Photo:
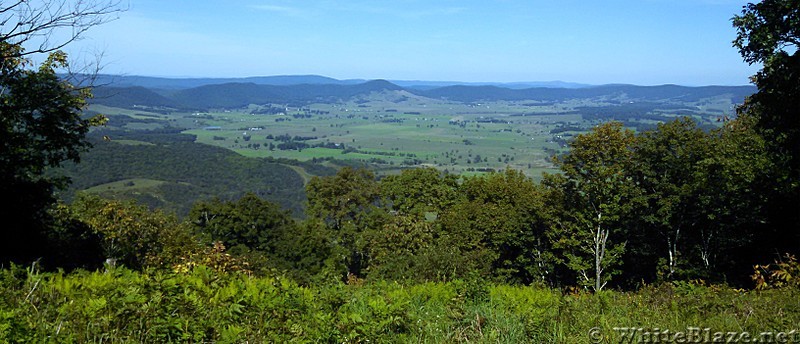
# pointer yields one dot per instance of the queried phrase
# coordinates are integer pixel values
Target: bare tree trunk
(705, 247)
(672, 252)
(600, 240)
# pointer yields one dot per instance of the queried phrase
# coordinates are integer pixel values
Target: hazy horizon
(409, 81)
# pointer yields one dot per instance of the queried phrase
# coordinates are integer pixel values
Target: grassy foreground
(203, 306)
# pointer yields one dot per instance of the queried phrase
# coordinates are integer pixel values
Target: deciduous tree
(672, 163)
(249, 226)
(348, 205)
(419, 190)
(599, 195)
(41, 123)
(505, 210)
(768, 32)
(133, 235)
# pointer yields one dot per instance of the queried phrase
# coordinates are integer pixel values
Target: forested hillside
(237, 95)
(181, 173)
(130, 96)
(242, 94)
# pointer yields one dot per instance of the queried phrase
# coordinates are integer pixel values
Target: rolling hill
(238, 94)
(172, 175)
(647, 93)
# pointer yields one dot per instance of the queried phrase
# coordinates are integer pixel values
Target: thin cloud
(283, 10)
(404, 10)
(433, 12)
(415, 12)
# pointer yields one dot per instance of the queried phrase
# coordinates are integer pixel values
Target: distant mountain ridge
(673, 92)
(239, 95)
(164, 83)
(185, 83)
(300, 90)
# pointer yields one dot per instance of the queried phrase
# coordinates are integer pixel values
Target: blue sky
(644, 42)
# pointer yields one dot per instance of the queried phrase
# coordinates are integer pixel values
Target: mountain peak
(380, 85)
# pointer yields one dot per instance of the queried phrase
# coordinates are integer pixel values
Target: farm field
(389, 140)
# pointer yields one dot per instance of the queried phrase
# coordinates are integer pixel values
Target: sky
(643, 42)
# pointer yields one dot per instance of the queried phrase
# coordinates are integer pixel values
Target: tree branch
(42, 22)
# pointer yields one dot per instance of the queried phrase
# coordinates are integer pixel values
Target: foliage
(672, 160)
(397, 250)
(767, 33)
(344, 199)
(71, 243)
(420, 190)
(309, 256)
(599, 196)
(252, 228)
(204, 305)
(680, 198)
(214, 258)
(41, 122)
(347, 204)
(730, 207)
(40, 127)
(500, 222)
(248, 223)
(767, 28)
(133, 235)
(785, 272)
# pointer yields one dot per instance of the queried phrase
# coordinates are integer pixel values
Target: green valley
(391, 128)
